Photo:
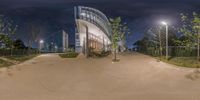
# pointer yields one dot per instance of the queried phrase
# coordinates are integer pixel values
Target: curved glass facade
(93, 30)
(95, 17)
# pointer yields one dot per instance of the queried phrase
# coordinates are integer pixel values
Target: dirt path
(135, 77)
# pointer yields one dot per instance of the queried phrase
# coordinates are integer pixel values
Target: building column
(87, 42)
(95, 42)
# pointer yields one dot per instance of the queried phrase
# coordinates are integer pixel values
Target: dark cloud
(58, 14)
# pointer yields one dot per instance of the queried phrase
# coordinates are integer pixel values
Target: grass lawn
(69, 55)
(190, 62)
(4, 63)
(13, 59)
(21, 58)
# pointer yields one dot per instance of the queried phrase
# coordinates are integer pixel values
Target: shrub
(99, 54)
(69, 55)
(5, 63)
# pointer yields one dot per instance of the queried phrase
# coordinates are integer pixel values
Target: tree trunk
(11, 49)
(115, 55)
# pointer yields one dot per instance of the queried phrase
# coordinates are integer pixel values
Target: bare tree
(34, 30)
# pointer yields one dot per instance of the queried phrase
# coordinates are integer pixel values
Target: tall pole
(167, 42)
(41, 44)
(198, 47)
(160, 42)
(87, 42)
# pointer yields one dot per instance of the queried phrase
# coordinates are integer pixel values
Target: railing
(17, 52)
(174, 51)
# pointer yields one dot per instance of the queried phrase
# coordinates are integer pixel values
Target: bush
(190, 62)
(69, 55)
(4, 63)
(18, 52)
(99, 54)
(21, 58)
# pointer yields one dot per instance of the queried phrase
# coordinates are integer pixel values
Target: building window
(77, 36)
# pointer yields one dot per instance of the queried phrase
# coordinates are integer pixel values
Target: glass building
(93, 32)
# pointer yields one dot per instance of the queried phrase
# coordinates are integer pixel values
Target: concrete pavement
(135, 77)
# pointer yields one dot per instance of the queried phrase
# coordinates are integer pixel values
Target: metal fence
(174, 51)
(17, 52)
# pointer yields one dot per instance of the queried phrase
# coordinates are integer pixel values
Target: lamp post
(40, 45)
(56, 48)
(165, 23)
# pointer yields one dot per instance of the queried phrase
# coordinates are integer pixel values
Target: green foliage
(157, 34)
(142, 45)
(19, 44)
(119, 30)
(99, 54)
(154, 41)
(7, 30)
(191, 32)
(6, 40)
(189, 62)
(21, 58)
(4, 63)
(69, 55)
(190, 28)
(11, 60)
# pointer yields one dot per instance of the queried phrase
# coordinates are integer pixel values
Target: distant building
(93, 30)
(56, 43)
(65, 41)
(122, 46)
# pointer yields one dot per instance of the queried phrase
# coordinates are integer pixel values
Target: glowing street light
(55, 48)
(166, 24)
(41, 41)
(40, 44)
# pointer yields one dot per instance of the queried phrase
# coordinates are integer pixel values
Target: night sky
(55, 15)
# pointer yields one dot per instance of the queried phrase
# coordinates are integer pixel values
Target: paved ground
(135, 77)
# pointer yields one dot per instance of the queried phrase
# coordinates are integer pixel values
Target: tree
(156, 37)
(7, 30)
(191, 32)
(196, 27)
(11, 31)
(34, 30)
(19, 44)
(5, 41)
(142, 44)
(118, 33)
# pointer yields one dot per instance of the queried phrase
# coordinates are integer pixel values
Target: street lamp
(165, 23)
(41, 41)
(56, 48)
(40, 44)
